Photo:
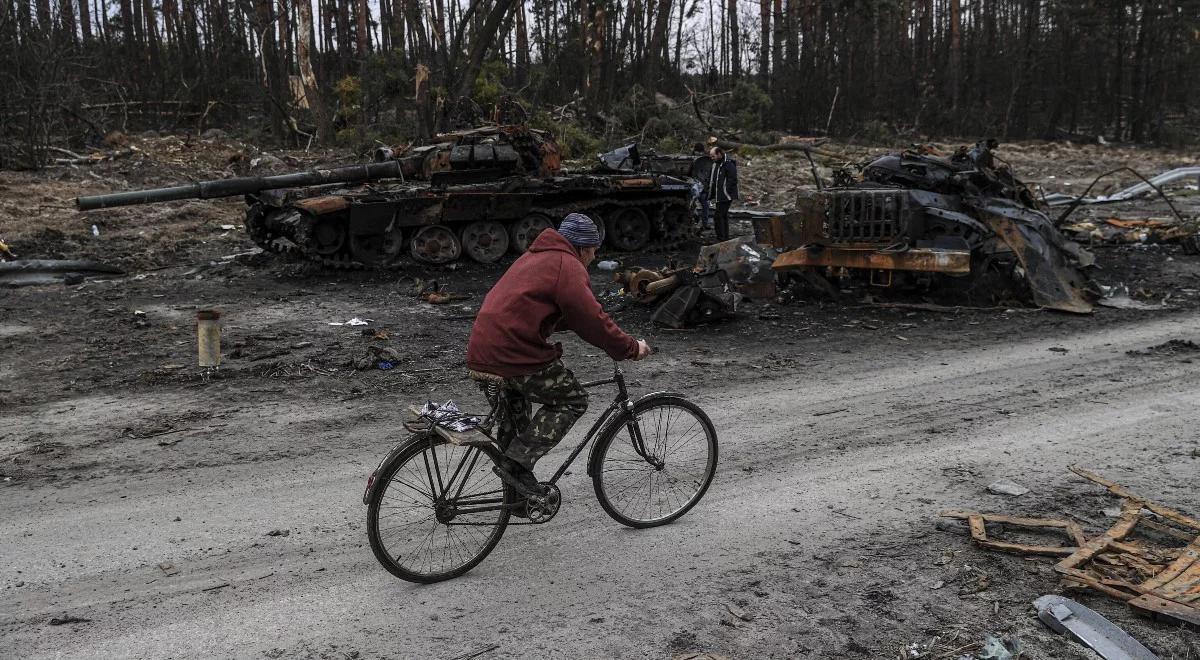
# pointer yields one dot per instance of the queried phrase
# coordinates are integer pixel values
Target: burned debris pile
(1149, 558)
(724, 275)
(962, 222)
(960, 225)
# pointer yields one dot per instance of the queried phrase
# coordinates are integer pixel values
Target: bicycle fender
(621, 417)
(395, 451)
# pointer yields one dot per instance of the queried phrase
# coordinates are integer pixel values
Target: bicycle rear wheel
(661, 483)
(436, 510)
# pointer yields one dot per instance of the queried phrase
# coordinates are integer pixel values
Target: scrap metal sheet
(1054, 281)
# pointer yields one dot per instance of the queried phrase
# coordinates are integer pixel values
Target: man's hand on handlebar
(644, 350)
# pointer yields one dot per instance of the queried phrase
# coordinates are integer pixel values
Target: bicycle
(436, 509)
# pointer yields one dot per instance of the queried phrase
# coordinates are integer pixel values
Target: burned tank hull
(383, 226)
(959, 222)
(478, 193)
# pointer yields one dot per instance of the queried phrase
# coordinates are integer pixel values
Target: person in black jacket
(722, 189)
(701, 169)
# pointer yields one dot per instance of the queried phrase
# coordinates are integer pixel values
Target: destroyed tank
(962, 221)
(483, 191)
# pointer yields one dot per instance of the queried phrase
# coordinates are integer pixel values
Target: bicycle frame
(620, 403)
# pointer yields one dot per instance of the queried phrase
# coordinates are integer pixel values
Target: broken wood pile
(1149, 558)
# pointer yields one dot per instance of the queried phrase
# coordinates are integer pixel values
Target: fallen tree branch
(65, 152)
(92, 159)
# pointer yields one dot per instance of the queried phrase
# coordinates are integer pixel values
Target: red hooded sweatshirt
(546, 290)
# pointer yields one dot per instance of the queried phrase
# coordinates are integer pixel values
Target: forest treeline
(324, 71)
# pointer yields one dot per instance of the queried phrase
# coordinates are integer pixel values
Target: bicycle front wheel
(654, 481)
(436, 510)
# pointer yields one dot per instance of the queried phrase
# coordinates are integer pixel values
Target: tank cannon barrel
(243, 185)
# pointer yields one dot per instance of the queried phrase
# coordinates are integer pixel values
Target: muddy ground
(845, 429)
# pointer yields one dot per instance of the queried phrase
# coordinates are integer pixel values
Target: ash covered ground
(845, 429)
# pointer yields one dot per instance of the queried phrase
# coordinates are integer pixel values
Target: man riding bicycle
(546, 290)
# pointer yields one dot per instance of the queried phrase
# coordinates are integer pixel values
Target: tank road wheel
(676, 224)
(485, 241)
(435, 244)
(523, 231)
(376, 249)
(628, 229)
(329, 235)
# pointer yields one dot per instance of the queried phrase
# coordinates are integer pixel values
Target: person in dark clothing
(546, 290)
(722, 189)
(701, 169)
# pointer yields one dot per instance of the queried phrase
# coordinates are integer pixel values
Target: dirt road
(820, 525)
(188, 513)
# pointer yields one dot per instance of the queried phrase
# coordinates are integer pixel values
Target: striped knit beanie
(579, 230)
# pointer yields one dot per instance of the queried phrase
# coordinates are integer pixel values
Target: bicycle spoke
(669, 477)
(419, 526)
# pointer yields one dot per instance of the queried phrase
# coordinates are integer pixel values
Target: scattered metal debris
(27, 272)
(1150, 557)
(996, 648)
(1066, 617)
(1118, 297)
(1008, 486)
(65, 619)
(913, 218)
(1119, 231)
(1147, 186)
(723, 275)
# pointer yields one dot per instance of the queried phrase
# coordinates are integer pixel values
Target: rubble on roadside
(723, 276)
(1121, 231)
(917, 218)
(30, 272)
(1066, 617)
(1149, 558)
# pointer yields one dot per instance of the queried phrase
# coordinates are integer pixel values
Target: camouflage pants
(563, 402)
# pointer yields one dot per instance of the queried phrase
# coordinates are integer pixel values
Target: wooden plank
(1176, 569)
(1124, 525)
(1104, 586)
(468, 437)
(1165, 610)
(1186, 587)
(1120, 491)
(978, 523)
(1167, 529)
(978, 531)
(1024, 549)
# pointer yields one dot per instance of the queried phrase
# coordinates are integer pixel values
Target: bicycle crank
(543, 507)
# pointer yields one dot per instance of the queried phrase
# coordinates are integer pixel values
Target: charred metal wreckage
(724, 274)
(484, 191)
(963, 222)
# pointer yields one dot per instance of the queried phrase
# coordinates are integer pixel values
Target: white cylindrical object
(208, 337)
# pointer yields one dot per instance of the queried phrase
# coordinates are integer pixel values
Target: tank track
(263, 237)
(666, 235)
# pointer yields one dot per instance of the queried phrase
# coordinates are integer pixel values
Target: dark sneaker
(518, 506)
(517, 476)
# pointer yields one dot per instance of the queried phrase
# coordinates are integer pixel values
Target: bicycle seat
(485, 377)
